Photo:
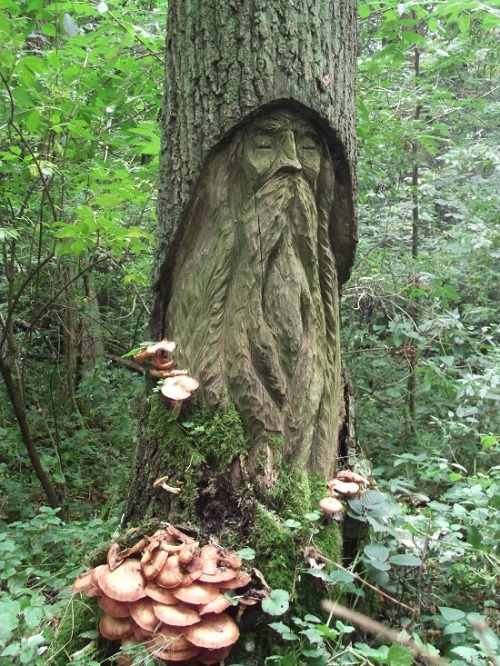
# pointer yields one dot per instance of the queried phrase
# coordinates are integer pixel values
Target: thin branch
(374, 627)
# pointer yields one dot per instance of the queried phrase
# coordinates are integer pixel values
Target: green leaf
(277, 603)
(9, 612)
(364, 11)
(405, 560)
(33, 121)
(451, 614)
(454, 628)
(291, 523)
(373, 499)
(464, 23)
(399, 655)
(284, 631)
(376, 552)
(246, 553)
(469, 654)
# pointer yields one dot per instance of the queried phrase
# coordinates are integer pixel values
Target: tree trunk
(256, 237)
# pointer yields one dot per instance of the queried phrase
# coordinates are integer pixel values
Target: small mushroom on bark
(175, 389)
(162, 483)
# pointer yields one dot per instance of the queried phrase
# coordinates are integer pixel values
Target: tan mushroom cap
(347, 475)
(330, 505)
(240, 580)
(180, 655)
(188, 552)
(171, 575)
(143, 614)
(209, 557)
(170, 638)
(126, 583)
(220, 575)
(343, 487)
(159, 593)
(217, 605)
(113, 558)
(175, 616)
(84, 581)
(154, 563)
(113, 607)
(196, 593)
(208, 657)
(115, 628)
(141, 634)
(179, 388)
(213, 632)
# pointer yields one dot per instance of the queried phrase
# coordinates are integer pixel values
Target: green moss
(276, 550)
(79, 616)
(206, 436)
(204, 441)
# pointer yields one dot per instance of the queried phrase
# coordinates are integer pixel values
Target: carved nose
(287, 156)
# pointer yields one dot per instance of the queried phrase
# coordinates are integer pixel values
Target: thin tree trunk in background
(415, 194)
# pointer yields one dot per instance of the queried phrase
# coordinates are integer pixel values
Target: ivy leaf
(277, 603)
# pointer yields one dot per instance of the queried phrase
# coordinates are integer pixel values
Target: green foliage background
(79, 119)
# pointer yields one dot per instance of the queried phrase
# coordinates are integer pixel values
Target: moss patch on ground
(79, 616)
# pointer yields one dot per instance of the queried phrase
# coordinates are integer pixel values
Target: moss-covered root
(79, 617)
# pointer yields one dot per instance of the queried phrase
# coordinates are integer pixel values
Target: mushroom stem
(162, 483)
(170, 489)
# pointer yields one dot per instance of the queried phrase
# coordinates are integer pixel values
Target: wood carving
(254, 290)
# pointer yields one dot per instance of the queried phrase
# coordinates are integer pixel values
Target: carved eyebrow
(268, 125)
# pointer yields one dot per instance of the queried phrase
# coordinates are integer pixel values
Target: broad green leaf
(364, 11)
(451, 614)
(376, 551)
(454, 628)
(277, 603)
(9, 612)
(399, 655)
(291, 523)
(405, 560)
(284, 631)
(246, 553)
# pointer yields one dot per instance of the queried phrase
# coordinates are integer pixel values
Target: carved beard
(276, 332)
(254, 310)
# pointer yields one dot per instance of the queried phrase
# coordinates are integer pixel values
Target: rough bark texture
(232, 67)
(225, 60)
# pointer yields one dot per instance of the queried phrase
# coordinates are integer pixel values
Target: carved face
(281, 142)
(254, 291)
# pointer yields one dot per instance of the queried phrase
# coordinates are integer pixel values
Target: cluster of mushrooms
(176, 385)
(170, 595)
(345, 484)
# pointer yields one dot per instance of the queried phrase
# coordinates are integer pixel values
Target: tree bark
(258, 124)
